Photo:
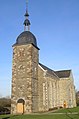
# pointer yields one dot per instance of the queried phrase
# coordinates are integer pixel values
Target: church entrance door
(20, 106)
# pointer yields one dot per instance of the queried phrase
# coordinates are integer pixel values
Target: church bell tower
(24, 97)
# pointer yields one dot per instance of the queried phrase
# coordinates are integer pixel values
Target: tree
(5, 105)
(5, 102)
(77, 98)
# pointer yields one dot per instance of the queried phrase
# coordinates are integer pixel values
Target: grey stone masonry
(25, 78)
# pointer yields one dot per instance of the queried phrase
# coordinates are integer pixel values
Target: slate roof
(50, 71)
(63, 73)
(58, 74)
(26, 37)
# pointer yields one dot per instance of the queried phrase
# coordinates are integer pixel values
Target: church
(35, 87)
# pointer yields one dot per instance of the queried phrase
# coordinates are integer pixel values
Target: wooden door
(20, 108)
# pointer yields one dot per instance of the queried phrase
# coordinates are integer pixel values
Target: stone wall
(47, 90)
(54, 91)
(67, 92)
(25, 78)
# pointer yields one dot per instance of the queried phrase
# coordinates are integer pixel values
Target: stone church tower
(35, 87)
(24, 98)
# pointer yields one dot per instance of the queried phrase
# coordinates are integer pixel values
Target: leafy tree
(5, 105)
(5, 102)
(77, 98)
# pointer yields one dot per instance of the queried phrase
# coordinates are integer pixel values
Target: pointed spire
(26, 22)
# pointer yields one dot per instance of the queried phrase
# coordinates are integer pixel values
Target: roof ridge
(63, 70)
(45, 67)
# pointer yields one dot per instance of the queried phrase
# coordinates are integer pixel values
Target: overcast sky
(55, 23)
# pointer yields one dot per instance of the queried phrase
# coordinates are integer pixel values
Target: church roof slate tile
(50, 71)
(26, 37)
(63, 73)
(60, 74)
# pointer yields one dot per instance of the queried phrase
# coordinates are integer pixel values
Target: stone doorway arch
(20, 106)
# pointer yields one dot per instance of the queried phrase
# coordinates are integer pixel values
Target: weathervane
(26, 22)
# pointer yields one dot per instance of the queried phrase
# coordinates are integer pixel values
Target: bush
(4, 110)
(55, 108)
(5, 105)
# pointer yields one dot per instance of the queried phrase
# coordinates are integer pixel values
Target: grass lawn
(71, 110)
(60, 114)
(41, 117)
(57, 116)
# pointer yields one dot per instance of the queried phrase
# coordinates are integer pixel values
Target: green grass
(71, 110)
(63, 115)
(42, 117)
